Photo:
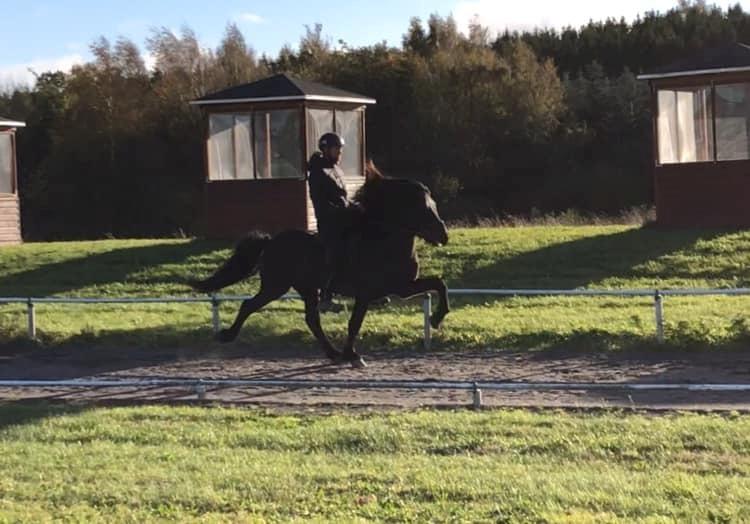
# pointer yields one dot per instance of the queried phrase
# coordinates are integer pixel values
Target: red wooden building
(10, 209)
(259, 137)
(701, 128)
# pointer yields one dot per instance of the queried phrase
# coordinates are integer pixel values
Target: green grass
(527, 257)
(228, 465)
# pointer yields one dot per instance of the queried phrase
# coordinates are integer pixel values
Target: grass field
(152, 464)
(227, 465)
(531, 257)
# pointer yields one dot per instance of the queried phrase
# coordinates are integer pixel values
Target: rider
(335, 213)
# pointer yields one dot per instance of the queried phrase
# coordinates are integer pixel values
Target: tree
(236, 61)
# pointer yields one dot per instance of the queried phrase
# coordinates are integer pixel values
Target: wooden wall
(10, 219)
(706, 194)
(232, 208)
(10, 208)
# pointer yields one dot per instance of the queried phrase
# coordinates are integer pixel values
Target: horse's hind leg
(248, 307)
(355, 324)
(312, 317)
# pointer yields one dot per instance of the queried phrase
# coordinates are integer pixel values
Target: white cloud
(21, 74)
(251, 17)
(500, 15)
(149, 59)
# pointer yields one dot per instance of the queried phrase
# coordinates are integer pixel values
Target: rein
(390, 229)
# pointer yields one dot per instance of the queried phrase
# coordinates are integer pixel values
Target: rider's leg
(326, 291)
(332, 265)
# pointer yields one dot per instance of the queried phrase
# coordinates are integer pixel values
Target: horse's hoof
(436, 321)
(225, 335)
(359, 363)
(335, 356)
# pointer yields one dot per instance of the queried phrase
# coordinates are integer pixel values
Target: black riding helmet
(330, 140)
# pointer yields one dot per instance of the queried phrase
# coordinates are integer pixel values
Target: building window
(732, 117)
(319, 122)
(6, 163)
(262, 144)
(243, 147)
(348, 124)
(221, 147)
(688, 117)
(278, 144)
(685, 125)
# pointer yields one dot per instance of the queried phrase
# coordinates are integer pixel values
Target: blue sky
(55, 34)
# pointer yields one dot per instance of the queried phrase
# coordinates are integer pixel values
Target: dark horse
(383, 261)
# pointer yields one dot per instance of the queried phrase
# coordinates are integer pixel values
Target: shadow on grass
(110, 267)
(21, 413)
(586, 261)
(578, 263)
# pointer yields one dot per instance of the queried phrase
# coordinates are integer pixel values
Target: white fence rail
(199, 387)
(216, 300)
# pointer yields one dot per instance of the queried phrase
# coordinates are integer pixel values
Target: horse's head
(402, 205)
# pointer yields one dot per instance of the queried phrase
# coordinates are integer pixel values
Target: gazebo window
(688, 116)
(279, 141)
(732, 116)
(685, 124)
(319, 122)
(348, 124)
(243, 146)
(228, 147)
(6, 163)
(262, 144)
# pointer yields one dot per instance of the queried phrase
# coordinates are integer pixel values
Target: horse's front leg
(355, 324)
(425, 285)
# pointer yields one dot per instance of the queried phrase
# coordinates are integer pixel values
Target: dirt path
(252, 363)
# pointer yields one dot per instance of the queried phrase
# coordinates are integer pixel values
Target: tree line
(519, 122)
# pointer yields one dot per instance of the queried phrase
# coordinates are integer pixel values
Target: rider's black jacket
(333, 209)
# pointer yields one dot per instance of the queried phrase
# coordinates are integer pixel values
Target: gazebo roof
(730, 58)
(281, 88)
(7, 122)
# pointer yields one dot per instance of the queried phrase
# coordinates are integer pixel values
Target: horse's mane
(376, 184)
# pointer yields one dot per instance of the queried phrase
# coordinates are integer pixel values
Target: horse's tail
(243, 263)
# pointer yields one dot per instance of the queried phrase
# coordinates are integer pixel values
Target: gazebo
(258, 139)
(701, 130)
(10, 210)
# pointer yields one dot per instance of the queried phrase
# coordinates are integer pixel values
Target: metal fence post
(215, 317)
(200, 391)
(659, 315)
(476, 397)
(31, 318)
(427, 309)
